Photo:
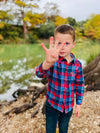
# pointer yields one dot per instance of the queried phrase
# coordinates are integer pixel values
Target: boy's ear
(74, 43)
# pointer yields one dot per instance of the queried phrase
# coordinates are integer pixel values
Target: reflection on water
(12, 78)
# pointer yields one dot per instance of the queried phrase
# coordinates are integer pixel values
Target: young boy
(65, 79)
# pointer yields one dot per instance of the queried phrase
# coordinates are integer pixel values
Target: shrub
(46, 30)
(32, 38)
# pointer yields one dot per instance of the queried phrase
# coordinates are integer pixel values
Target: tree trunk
(92, 74)
(24, 26)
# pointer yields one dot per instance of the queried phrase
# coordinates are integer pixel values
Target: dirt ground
(88, 121)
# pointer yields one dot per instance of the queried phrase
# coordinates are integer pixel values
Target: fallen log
(92, 75)
(35, 92)
(7, 103)
(35, 112)
(20, 109)
(40, 91)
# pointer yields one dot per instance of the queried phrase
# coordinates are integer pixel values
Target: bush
(46, 30)
(32, 38)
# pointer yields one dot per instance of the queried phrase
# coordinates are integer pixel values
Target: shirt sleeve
(40, 72)
(79, 90)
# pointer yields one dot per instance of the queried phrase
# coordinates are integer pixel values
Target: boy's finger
(43, 46)
(51, 42)
(57, 41)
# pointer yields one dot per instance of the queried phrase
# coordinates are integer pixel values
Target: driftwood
(32, 90)
(35, 112)
(36, 91)
(92, 75)
(7, 103)
(20, 109)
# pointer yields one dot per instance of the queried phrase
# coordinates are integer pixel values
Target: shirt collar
(71, 54)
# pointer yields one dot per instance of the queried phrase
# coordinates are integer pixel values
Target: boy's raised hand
(53, 52)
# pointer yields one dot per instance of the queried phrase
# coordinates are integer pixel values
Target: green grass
(84, 49)
(15, 52)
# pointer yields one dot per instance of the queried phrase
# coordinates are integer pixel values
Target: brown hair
(65, 29)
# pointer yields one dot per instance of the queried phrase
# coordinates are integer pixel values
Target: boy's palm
(53, 51)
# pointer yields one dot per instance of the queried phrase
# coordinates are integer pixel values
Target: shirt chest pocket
(70, 76)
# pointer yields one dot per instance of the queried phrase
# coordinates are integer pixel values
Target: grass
(84, 49)
(14, 52)
(9, 54)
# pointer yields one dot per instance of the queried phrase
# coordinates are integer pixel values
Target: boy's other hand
(53, 52)
(78, 108)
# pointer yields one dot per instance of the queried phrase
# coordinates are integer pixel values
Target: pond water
(15, 74)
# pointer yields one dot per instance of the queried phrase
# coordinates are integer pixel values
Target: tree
(60, 20)
(92, 27)
(5, 16)
(71, 21)
(46, 30)
(51, 11)
(24, 7)
(19, 9)
(34, 19)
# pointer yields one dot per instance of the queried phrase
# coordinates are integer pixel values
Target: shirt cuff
(41, 69)
(78, 101)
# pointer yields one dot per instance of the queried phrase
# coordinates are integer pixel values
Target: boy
(65, 79)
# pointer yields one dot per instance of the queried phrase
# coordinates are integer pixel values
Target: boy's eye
(59, 43)
(67, 43)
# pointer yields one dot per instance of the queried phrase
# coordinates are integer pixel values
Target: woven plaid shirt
(64, 81)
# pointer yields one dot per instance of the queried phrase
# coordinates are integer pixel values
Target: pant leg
(63, 121)
(51, 118)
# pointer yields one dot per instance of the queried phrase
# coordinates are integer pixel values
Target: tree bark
(92, 74)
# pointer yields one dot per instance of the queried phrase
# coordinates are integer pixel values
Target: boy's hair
(65, 29)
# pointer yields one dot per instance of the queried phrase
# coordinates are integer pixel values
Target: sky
(78, 9)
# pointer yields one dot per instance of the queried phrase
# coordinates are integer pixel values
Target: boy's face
(68, 44)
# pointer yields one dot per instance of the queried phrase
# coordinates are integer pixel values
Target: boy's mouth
(62, 52)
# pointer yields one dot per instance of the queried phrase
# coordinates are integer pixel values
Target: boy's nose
(63, 45)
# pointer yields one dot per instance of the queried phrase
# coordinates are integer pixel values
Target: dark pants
(53, 115)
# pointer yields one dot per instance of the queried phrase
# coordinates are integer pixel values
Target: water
(9, 77)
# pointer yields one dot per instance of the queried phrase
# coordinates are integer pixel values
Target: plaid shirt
(64, 81)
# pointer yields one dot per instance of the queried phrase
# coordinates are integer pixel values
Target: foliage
(1, 37)
(71, 21)
(41, 25)
(60, 20)
(32, 38)
(5, 16)
(11, 31)
(21, 3)
(25, 10)
(34, 19)
(51, 11)
(46, 30)
(2, 25)
(92, 27)
(78, 32)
